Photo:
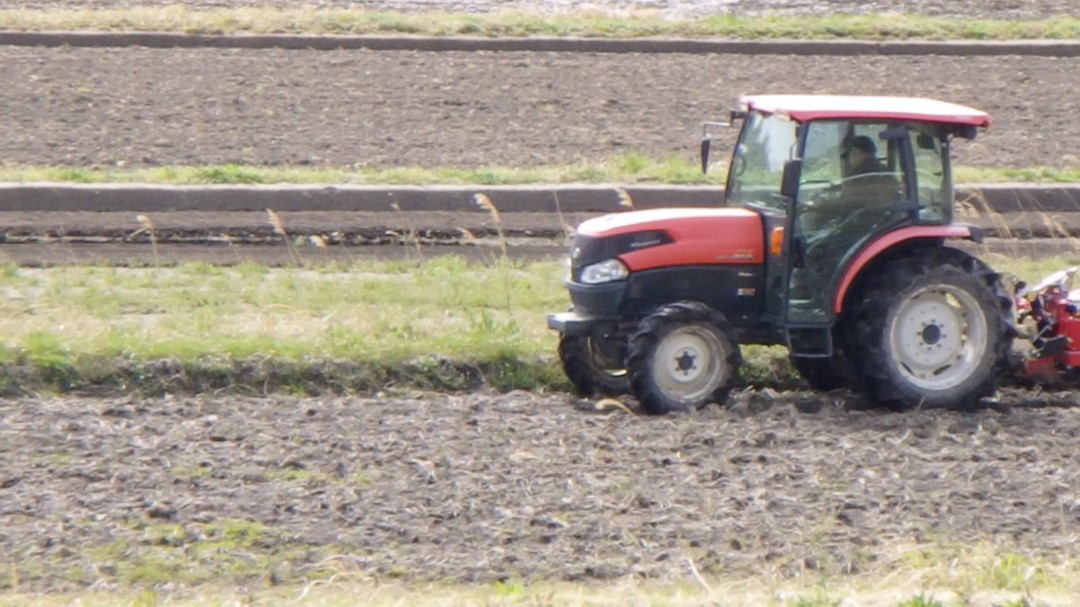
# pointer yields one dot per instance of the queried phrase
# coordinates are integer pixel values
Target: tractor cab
(831, 175)
(831, 242)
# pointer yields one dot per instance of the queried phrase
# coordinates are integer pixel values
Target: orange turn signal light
(776, 241)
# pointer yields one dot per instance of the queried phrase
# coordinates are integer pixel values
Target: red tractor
(832, 242)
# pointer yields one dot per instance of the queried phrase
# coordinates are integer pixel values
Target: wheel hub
(938, 336)
(931, 334)
(685, 363)
(689, 363)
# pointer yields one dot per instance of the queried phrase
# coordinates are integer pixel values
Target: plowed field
(137, 107)
(518, 486)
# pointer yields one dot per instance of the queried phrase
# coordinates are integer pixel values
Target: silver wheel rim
(689, 364)
(938, 337)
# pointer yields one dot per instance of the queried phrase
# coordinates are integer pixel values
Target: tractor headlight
(604, 271)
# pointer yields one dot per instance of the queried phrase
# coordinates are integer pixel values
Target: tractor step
(810, 341)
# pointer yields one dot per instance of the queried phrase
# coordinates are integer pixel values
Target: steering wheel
(815, 210)
(840, 223)
(823, 199)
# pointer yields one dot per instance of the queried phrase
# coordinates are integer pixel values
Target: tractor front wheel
(683, 357)
(932, 330)
(593, 365)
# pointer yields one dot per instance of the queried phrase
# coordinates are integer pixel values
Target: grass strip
(630, 168)
(227, 562)
(343, 590)
(634, 24)
(439, 324)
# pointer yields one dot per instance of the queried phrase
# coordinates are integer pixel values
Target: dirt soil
(113, 107)
(138, 107)
(480, 487)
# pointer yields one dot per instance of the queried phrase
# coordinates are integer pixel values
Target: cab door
(841, 207)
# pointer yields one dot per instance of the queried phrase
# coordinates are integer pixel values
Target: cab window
(757, 166)
(932, 189)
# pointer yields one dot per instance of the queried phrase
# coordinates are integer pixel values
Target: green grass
(638, 24)
(443, 324)
(628, 168)
(78, 325)
(1017, 175)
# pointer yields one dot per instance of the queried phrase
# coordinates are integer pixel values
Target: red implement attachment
(1050, 315)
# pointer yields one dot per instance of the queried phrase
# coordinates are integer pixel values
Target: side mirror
(789, 183)
(925, 142)
(705, 144)
(968, 131)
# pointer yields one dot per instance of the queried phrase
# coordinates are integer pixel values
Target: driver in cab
(864, 199)
(866, 181)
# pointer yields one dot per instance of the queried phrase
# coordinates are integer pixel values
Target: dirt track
(480, 488)
(116, 238)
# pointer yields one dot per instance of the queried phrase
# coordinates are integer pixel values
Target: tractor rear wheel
(592, 365)
(683, 357)
(932, 330)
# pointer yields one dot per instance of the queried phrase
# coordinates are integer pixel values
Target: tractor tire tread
(644, 341)
(871, 306)
(580, 369)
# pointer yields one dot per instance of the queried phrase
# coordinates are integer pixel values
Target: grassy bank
(441, 324)
(634, 24)
(624, 168)
(437, 324)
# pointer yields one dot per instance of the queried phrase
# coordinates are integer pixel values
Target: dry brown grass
(482, 201)
(148, 225)
(1019, 230)
(411, 236)
(279, 228)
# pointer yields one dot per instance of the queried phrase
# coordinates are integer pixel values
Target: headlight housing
(605, 271)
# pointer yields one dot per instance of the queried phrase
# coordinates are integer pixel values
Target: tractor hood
(672, 237)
